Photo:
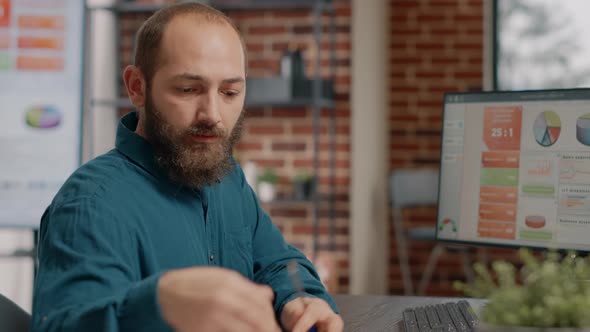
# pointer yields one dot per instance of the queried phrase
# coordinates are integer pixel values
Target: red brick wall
(436, 47)
(282, 138)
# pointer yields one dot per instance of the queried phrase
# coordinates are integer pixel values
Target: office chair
(412, 188)
(12, 317)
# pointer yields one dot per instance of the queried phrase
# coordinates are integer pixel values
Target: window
(541, 44)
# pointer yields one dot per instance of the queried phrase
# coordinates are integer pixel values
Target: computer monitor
(515, 169)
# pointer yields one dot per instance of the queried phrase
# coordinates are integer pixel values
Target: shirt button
(211, 258)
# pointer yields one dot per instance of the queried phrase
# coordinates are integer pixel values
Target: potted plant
(266, 185)
(303, 186)
(549, 294)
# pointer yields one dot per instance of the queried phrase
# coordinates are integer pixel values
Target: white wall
(16, 274)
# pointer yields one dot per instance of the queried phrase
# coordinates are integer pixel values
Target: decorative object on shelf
(292, 65)
(267, 185)
(303, 186)
(250, 172)
(550, 294)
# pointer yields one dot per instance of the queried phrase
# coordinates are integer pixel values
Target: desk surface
(382, 313)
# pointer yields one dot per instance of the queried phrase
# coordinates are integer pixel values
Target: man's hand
(215, 299)
(301, 314)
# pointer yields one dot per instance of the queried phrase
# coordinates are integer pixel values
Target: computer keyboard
(450, 316)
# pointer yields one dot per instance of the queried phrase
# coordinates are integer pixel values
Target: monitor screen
(515, 169)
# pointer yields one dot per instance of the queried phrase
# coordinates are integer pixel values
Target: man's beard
(193, 164)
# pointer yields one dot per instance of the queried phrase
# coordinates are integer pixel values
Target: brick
(467, 18)
(292, 13)
(440, 5)
(289, 146)
(299, 112)
(272, 163)
(407, 60)
(341, 45)
(250, 146)
(340, 147)
(267, 30)
(336, 247)
(288, 212)
(404, 117)
(430, 46)
(337, 213)
(254, 112)
(400, 30)
(440, 59)
(266, 130)
(403, 146)
(255, 47)
(307, 129)
(343, 80)
(430, 18)
(241, 15)
(269, 65)
(308, 163)
(469, 46)
(339, 181)
(405, 4)
(322, 229)
(467, 74)
(429, 74)
(433, 104)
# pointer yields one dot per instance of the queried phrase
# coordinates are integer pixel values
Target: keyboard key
(421, 318)
(468, 313)
(457, 317)
(448, 317)
(432, 317)
(443, 314)
(410, 322)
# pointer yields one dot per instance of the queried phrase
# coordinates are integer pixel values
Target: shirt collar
(135, 147)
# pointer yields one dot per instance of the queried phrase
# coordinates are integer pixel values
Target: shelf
(298, 102)
(295, 103)
(241, 5)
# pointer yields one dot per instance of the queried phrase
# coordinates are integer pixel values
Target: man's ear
(136, 85)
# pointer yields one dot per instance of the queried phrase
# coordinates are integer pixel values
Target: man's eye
(231, 93)
(185, 89)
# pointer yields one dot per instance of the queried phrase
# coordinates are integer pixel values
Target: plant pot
(493, 328)
(266, 191)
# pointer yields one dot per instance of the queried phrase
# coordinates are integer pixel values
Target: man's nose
(208, 108)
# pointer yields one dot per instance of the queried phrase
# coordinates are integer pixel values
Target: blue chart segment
(583, 129)
(547, 128)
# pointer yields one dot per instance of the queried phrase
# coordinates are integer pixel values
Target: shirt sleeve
(272, 255)
(88, 277)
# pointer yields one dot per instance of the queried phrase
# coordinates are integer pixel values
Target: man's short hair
(149, 36)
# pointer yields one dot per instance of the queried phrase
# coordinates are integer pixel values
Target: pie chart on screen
(547, 128)
(43, 117)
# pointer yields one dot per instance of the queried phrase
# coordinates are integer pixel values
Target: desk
(383, 313)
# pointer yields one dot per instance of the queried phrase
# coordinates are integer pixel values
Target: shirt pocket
(238, 255)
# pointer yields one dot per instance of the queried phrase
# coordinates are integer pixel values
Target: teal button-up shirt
(118, 223)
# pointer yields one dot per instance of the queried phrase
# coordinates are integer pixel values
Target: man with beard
(163, 232)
